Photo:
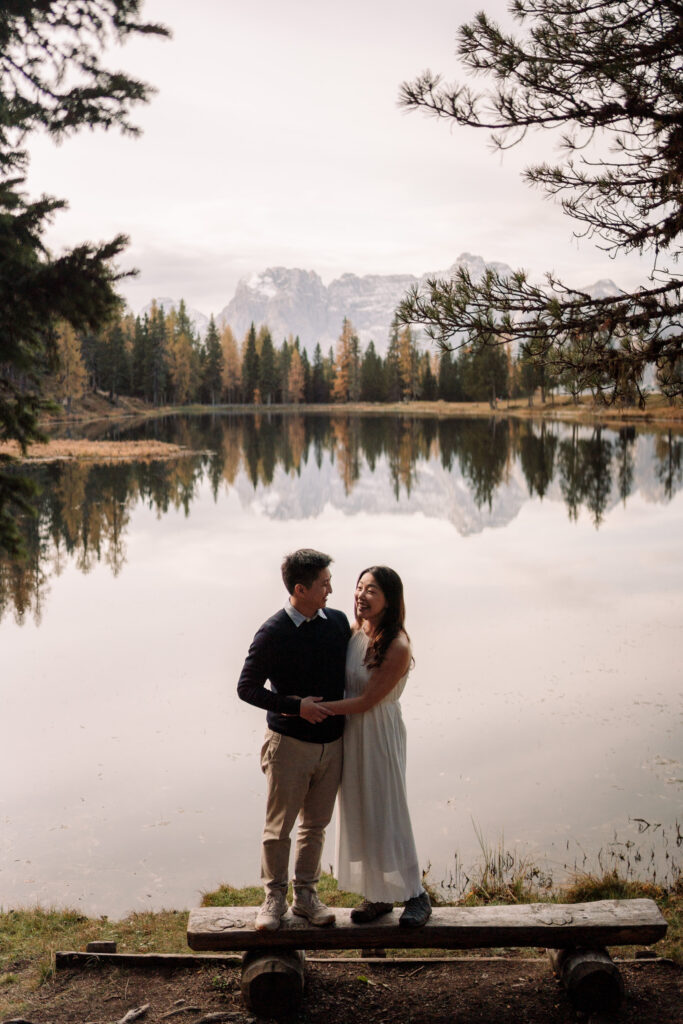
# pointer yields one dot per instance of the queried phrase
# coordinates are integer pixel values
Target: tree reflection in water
(84, 509)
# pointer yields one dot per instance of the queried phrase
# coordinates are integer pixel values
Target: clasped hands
(314, 710)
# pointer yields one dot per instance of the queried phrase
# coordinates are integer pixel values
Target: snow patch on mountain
(295, 302)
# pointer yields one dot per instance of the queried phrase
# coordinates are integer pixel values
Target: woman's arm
(381, 682)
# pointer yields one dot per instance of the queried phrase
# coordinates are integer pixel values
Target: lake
(543, 571)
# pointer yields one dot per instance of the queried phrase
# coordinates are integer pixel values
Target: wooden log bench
(575, 936)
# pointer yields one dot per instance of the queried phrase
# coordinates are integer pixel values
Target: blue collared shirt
(296, 616)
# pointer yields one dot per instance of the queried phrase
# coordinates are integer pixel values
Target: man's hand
(311, 711)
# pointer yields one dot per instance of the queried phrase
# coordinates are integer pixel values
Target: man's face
(320, 589)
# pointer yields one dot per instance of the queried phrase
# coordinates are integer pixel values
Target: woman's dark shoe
(417, 911)
(367, 911)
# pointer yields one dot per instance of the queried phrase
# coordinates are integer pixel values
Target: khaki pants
(303, 779)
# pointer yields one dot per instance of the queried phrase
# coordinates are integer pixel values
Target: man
(301, 650)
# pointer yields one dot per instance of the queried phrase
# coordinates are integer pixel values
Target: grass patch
(253, 895)
(29, 939)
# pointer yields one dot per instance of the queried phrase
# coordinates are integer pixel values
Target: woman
(376, 852)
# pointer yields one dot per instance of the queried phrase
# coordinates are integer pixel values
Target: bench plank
(548, 925)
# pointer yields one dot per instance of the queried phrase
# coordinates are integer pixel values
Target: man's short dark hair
(303, 566)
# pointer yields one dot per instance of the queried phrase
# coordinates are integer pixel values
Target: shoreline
(658, 411)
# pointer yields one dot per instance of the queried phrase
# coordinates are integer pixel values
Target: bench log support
(590, 977)
(273, 981)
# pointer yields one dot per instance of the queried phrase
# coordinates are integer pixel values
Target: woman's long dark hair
(393, 617)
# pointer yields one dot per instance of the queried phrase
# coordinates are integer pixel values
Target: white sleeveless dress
(376, 854)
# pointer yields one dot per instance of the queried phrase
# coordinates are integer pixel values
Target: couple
(312, 657)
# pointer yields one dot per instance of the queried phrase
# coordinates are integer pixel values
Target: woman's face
(369, 600)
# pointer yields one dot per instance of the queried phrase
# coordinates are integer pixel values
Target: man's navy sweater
(299, 661)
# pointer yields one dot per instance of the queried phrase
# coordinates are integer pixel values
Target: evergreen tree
(371, 376)
(392, 373)
(268, 375)
(529, 371)
(213, 364)
(114, 366)
(250, 366)
(319, 390)
(484, 374)
(52, 79)
(307, 371)
(607, 74)
(428, 384)
(449, 384)
(284, 358)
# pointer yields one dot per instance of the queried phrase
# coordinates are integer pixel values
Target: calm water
(543, 567)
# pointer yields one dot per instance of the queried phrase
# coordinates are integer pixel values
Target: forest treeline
(160, 358)
(84, 509)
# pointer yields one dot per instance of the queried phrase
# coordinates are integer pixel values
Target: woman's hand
(312, 710)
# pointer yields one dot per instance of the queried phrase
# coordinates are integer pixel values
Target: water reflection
(84, 509)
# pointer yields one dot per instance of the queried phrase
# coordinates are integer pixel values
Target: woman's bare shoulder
(400, 648)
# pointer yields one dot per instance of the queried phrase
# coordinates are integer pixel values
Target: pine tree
(608, 74)
(308, 375)
(428, 383)
(268, 376)
(213, 364)
(392, 373)
(371, 376)
(52, 79)
(114, 364)
(320, 391)
(250, 366)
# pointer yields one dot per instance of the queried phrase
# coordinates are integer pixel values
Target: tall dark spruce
(51, 80)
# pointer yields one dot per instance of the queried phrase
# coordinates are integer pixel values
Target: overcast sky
(275, 139)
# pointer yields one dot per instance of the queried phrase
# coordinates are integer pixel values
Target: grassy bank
(658, 410)
(30, 937)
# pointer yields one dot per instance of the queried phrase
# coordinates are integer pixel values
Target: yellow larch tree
(232, 364)
(295, 379)
(71, 378)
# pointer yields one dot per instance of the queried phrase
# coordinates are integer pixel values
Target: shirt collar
(296, 616)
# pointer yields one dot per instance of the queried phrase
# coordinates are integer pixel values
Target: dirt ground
(501, 991)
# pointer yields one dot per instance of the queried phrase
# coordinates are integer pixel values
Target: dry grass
(97, 451)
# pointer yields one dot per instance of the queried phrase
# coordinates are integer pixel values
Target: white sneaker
(307, 904)
(271, 911)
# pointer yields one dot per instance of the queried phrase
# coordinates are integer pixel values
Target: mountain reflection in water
(447, 468)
